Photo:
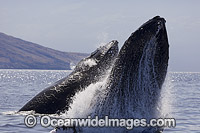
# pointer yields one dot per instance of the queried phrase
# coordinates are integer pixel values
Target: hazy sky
(82, 25)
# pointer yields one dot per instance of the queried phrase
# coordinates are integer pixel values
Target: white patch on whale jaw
(86, 64)
(90, 62)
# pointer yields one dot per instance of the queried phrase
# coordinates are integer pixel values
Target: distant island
(16, 53)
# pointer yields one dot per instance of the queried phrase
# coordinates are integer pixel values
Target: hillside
(16, 53)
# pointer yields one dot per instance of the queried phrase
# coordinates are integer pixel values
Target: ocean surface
(181, 98)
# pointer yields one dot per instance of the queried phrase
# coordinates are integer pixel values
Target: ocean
(181, 98)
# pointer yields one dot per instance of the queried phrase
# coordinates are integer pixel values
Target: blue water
(19, 86)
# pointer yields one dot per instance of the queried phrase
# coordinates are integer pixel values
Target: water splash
(166, 98)
(81, 106)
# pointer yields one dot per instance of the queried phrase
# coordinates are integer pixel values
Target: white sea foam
(81, 106)
(18, 113)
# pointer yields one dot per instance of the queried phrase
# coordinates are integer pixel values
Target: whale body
(58, 97)
(138, 72)
(134, 84)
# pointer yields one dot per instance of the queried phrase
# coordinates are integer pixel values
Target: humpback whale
(134, 84)
(58, 97)
(138, 72)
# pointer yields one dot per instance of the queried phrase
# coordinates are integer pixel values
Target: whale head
(138, 73)
(102, 58)
(146, 48)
